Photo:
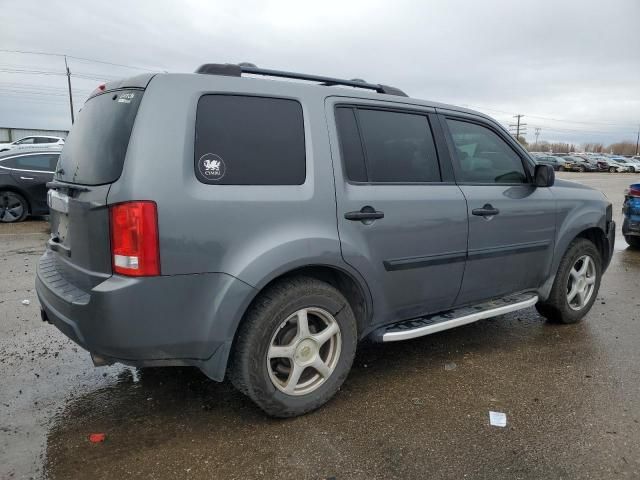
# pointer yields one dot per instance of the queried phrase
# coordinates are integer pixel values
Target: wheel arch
(594, 233)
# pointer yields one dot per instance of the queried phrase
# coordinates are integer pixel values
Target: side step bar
(454, 318)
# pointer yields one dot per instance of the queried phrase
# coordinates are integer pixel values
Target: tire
(558, 308)
(561, 169)
(612, 169)
(634, 242)
(272, 322)
(13, 207)
(581, 169)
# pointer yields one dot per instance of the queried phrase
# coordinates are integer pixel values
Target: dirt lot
(416, 409)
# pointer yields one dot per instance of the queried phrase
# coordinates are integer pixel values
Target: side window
(41, 163)
(243, 140)
(26, 141)
(44, 140)
(483, 156)
(383, 146)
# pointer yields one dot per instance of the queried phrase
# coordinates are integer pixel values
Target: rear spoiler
(137, 82)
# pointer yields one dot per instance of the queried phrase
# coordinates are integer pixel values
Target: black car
(23, 179)
(579, 164)
(556, 162)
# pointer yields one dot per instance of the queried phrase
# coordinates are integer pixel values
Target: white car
(29, 143)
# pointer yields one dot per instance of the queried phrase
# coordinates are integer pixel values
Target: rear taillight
(134, 238)
(634, 191)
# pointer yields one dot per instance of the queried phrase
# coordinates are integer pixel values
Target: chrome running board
(455, 318)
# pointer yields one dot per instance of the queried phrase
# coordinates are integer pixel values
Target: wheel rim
(11, 207)
(581, 283)
(304, 351)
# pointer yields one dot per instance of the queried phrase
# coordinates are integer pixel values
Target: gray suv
(260, 228)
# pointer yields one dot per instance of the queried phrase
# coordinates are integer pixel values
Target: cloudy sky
(572, 67)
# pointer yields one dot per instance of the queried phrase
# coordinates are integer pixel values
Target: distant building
(12, 134)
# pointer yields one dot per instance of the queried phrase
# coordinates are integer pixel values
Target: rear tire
(634, 242)
(581, 169)
(288, 369)
(13, 207)
(561, 169)
(612, 169)
(574, 291)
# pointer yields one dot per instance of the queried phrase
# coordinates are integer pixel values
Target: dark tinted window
(44, 140)
(350, 145)
(43, 163)
(483, 156)
(244, 140)
(97, 144)
(398, 147)
(26, 141)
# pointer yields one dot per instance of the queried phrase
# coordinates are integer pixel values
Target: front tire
(612, 169)
(576, 284)
(295, 347)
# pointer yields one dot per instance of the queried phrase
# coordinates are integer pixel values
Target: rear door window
(383, 146)
(244, 140)
(40, 163)
(95, 149)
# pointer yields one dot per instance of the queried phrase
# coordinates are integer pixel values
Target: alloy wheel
(11, 207)
(581, 282)
(304, 351)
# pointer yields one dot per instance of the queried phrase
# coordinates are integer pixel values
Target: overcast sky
(572, 67)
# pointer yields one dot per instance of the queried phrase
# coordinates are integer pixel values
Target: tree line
(618, 148)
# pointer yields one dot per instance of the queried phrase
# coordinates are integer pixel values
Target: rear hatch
(91, 160)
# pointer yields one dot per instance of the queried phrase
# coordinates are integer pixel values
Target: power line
(549, 118)
(50, 54)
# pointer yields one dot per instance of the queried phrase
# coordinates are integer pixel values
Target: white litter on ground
(498, 419)
(26, 302)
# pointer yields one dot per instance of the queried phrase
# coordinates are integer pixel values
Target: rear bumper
(630, 227)
(165, 320)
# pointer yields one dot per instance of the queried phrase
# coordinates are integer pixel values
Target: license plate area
(59, 208)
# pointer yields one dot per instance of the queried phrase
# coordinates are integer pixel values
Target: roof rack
(231, 70)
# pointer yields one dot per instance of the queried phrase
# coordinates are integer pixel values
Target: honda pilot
(259, 224)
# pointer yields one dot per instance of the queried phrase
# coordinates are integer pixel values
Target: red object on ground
(97, 437)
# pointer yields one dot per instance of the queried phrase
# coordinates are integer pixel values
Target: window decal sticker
(211, 166)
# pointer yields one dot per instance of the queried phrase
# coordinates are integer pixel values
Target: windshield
(97, 144)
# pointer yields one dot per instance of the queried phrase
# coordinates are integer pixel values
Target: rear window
(242, 140)
(97, 144)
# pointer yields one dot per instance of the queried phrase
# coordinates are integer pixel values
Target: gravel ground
(417, 409)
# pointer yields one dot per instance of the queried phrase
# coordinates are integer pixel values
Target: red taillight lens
(134, 239)
(634, 191)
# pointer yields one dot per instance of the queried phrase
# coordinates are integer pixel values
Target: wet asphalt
(417, 409)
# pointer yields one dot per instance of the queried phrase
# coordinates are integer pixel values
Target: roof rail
(229, 69)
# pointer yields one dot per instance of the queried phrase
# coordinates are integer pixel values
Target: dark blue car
(631, 211)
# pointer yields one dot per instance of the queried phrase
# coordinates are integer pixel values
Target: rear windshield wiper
(69, 186)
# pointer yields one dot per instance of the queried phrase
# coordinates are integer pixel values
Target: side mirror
(544, 176)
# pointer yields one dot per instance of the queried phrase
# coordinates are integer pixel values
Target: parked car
(310, 217)
(33, 143)
(579, 164)
(23, 179)
(556, 162)
(614, 166)
(631, 212)
(624, 164)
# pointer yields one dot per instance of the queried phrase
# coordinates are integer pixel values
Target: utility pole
(537, 135)
(519, 127)
(638, 141)
(69, 85)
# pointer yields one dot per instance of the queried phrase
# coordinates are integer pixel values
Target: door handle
(26, 178)
(365, 213)
(486, 211)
